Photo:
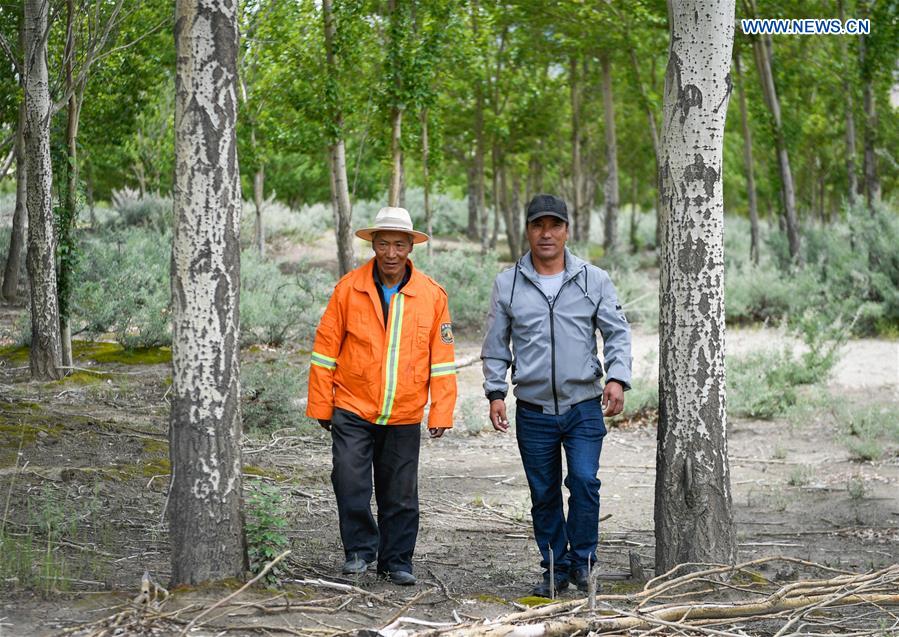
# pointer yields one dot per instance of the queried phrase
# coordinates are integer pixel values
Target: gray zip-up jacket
(554, 340)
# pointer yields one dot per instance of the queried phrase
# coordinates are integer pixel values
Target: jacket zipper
(552, 335)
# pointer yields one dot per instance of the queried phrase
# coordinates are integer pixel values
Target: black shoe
(355, 566)
(581, 577)
(542, 589)
(400, 578)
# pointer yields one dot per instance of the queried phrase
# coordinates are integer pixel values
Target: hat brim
(417, 237)
(546, 213)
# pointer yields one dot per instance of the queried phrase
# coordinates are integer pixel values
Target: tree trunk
(480, 149)
(611, 189)
(851, 177)
(207, 535)
(515, 216)
(396, 153)
(654, 136)
(340, 193)
(747, 160)
(693, 516)
(472, 183)
(576, 167)
(258, 199)
(425, 154)
(69, 214)
(20, 217)
(762, 48)
(632, 235)
(46, 350)
(503, 206)
(89, 191)
(872, 180)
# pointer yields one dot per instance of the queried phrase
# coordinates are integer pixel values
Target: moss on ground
(20, 425)
(100, 352)
(533, 600)
(115, 353)
(15, 353)
(153, 446)
(82, 378)
(252, 470)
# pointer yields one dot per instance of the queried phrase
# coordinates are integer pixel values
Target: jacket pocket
(356, 355)
(422, 336)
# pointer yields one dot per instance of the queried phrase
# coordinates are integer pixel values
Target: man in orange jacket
(384, 341)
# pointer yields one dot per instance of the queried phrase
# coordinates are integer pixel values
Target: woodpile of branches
(846, 604)
(690, 600)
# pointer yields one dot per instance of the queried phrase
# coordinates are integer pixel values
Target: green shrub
(638, 293)
(764, 384)
(265, 527)
(277, 307)
(152, 211)
(271, 391)
(303, 226)
(849, 274)
(468, 279)
(122, 286)
(870, 432)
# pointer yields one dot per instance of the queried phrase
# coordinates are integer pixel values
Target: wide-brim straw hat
(392, 219)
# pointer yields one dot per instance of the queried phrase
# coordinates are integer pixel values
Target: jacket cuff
(320, 412)
(496, 395)
(625, 386)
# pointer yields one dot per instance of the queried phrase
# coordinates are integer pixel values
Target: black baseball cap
(547, 205)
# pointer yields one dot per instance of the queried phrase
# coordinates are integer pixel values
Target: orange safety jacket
(384, 374)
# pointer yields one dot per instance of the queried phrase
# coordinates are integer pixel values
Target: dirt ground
(89, 489)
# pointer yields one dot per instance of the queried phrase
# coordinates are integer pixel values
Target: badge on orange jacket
(446, 333)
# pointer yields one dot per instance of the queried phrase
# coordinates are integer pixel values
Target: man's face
(391, 251)
(547, 236)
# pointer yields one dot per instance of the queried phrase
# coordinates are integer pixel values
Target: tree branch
(4, 44)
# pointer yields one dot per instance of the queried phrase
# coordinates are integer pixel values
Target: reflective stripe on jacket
(555, 361)
(384, 374)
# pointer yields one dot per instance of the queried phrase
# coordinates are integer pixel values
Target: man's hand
(436, 432)
(498, 415)
(612, 398)
(326, 424)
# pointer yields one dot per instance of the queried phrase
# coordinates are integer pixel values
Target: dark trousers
(358, 446)
(541, 439)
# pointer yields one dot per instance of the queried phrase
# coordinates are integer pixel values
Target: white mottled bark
(426, 182)
(396, 157)
(577, 177)
(258, 199)
(340, 193)
(46, 349)
(747, 161)
(869, 103)
(206, 524)
(693, 517)
(610, 241)
(20, 217)
(851, 177)
(762, 47)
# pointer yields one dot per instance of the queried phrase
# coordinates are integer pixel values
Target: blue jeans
(541, 438)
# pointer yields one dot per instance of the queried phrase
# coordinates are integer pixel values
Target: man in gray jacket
(550, 304)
